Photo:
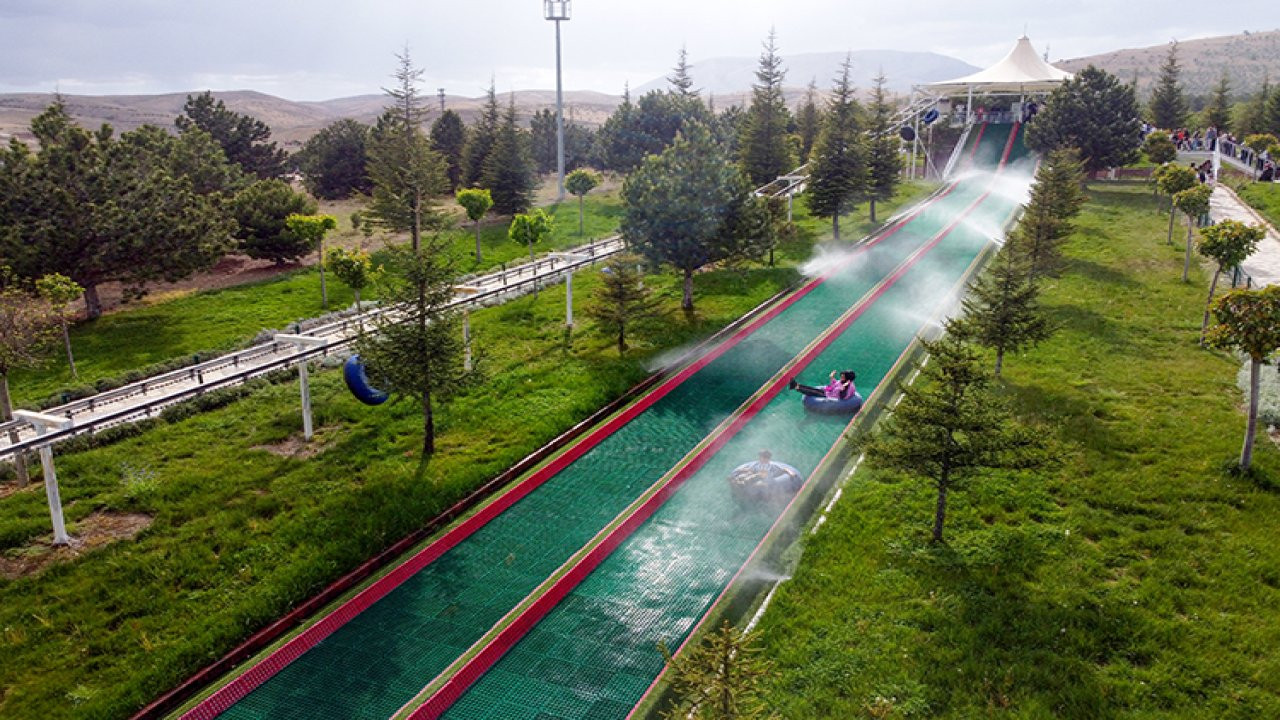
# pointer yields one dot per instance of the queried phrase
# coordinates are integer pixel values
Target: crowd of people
(1211, 139)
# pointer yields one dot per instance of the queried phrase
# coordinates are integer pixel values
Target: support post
(466, 340)
(559, 120)
(43, 423)
(568, 299)
(304, 378)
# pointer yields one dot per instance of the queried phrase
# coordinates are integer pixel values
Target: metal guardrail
(248, 364)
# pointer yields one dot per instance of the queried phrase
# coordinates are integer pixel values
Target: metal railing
(239, 367)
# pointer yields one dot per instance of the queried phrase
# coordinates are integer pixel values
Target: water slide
(548, 602)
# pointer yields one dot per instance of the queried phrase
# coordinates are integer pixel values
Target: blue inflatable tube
(832, 406)
(358, 382)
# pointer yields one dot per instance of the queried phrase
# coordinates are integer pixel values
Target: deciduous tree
(1159, 147)
(26, 329)
(476, 201)
(579, 183)
(1249, 321)
(354, 268)
(1171, 180)
(1193, 202)
(530, 229)
(311, 229)
(59, 291)
(1228, 243)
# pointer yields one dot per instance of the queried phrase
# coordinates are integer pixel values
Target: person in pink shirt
(839, 387)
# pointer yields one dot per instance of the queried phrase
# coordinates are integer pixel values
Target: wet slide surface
(593, 656)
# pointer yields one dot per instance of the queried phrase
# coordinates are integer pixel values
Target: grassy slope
(1137, 580)
(1265, 198)
(241, 534)
(218, 320)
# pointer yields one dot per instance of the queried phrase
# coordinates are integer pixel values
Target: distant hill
(733, 76)
(291, 122)
(1248, 58)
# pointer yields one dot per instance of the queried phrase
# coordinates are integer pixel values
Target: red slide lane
(237, 689)
(453, 689)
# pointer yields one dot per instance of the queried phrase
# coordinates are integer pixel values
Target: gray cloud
(325, 48)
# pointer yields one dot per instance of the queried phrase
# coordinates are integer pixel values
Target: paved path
(1264, 265)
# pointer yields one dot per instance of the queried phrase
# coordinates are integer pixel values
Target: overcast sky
(323, 49)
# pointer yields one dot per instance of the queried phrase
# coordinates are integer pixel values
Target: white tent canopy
(1021, 71)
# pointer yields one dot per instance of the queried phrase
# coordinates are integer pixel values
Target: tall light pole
(558, 10)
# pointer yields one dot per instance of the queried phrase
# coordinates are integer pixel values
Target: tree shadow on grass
(1082, 320)
(999, 642)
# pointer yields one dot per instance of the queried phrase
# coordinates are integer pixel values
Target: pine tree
(690, 206)
(1218, 113)
(481, 140)
(949, 426)
(838, 177)
(1093, 112)
(1252, 118)
(622, 299)
(245, 140)
(333, 161)
(449, 138)
(808, 121)
(884, 164)
(1002, 311)
(764, 153)
(405, 171)
(619, 149)
(720, 679)
(1271, 115)
(417, 353)
(1168, 105)
(1056, 198)
(680, 79)
(508, 170)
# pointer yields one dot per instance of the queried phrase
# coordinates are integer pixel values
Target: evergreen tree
(1252, 117)
(1249, 321)
(1271, 115)
(1002, 310)
(542, 140)
(1093, 112)
(1168, 105)
(680, 79)
(1228, 243)
(622, 299)
(764, 153)
(405, 171)
(949, 426)
(245, 140)
(417, 353)
(720, 679)
(688, 207)
(508, 170)
(260, 211)
(1218, 113)
(619, 150)
(481, 139)
(137, 209)
(884, 164)
(838, 177)
(808, 121)
(449, 138)
(333, 161)
(1056, 199)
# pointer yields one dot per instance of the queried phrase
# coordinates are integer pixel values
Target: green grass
(1137, 579)
(219, 320)
(1265, 198)
(240, 534)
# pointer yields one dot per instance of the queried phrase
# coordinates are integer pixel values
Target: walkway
(1264, 265)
